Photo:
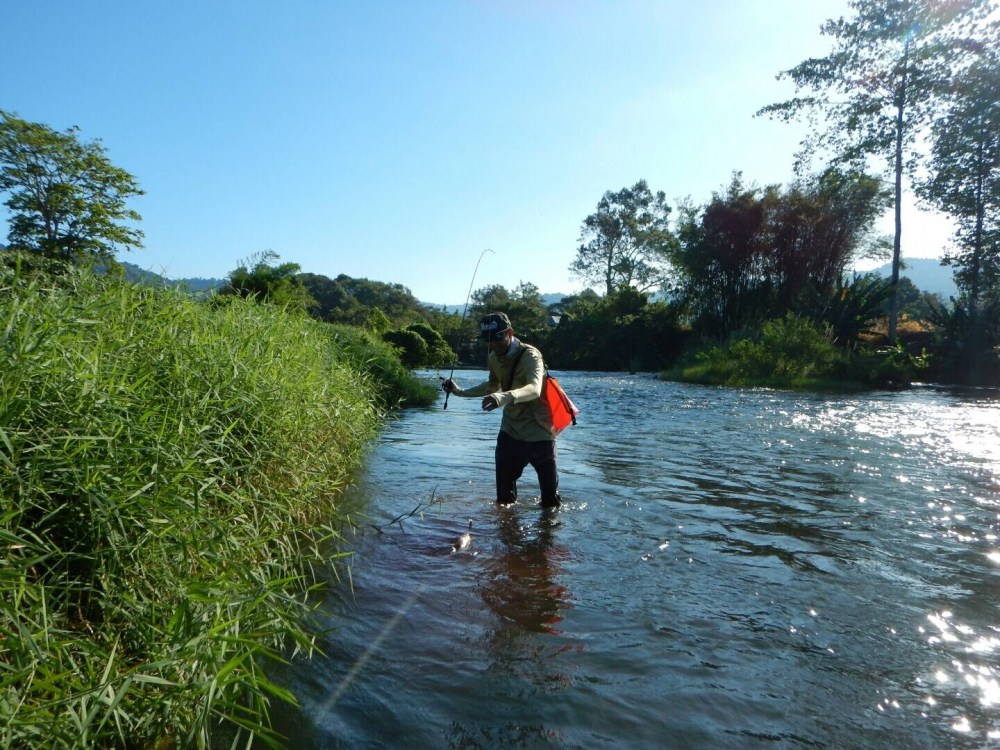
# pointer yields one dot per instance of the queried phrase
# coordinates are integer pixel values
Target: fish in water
(464, 541)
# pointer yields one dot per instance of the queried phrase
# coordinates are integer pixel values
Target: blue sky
(397, 139)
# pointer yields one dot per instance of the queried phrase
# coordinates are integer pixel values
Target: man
(526, 432)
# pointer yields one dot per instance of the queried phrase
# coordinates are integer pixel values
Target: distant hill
(142, 276)
(927, 274)
(547, 299)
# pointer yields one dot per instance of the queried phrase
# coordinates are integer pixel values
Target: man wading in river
(526, 432)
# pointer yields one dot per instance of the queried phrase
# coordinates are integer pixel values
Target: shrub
(391, 383)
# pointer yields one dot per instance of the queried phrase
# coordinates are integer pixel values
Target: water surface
(729, 569)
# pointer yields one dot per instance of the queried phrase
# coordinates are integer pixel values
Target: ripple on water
(730, 569)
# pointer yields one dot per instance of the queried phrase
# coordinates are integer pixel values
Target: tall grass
(168, 472)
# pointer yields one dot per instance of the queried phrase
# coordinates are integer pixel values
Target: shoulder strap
(517, 359)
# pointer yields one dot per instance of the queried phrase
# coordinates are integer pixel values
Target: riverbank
(171, 472)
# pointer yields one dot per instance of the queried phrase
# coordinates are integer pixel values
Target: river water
(729, 569)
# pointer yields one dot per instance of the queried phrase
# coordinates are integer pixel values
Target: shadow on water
(520, 586)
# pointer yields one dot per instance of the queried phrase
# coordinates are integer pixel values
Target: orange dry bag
(561, 409)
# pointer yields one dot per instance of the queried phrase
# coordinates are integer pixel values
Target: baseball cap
(492, 325)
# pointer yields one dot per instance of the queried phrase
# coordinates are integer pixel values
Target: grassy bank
(169, 470)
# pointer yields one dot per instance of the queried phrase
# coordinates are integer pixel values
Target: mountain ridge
(927, 274)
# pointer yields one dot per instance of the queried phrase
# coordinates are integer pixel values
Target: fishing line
(464, 311)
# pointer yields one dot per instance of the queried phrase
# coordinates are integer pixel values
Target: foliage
(794, 352)
(439, 353)
(851, 308)
(391, 383)
(720, 259)
(625, 243)
(350, 300)
(964, 174)
(752, 254)
(18, 268)
(523, 305)
(171, 472)
(378, 321)
(877, 87)
(67, 199)
(964, 181)
(967, 348)
(412, 347)
(913, 302)
(818, 227)
(621, 332)
(258, 279)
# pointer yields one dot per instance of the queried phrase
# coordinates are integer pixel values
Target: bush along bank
(794, 353)
(169, 471)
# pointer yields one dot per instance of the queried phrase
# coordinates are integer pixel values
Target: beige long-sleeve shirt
(525, 416)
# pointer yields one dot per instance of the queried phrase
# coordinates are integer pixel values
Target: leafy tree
(523, 305)
(877, 86)
(439, 353)
(818, 227)
(625, 243)
(721, 258)
(956, 350)
(333, 302)
(378, 322)
(964, 181)
(413, 349)
(67, 200)
(351, 300)
(914, 302)
(622, 331)
(276, 284)
(753, 254)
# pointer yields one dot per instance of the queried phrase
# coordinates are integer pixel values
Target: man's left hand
(490, 402)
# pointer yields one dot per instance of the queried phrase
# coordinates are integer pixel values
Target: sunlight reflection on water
(729, 569)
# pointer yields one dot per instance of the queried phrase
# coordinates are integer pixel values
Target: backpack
(561, 409)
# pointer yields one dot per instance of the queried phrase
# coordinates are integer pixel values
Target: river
(729, 569)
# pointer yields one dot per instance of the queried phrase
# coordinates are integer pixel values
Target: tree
(818, 227)
(621, 331)
(439, 353)
(378, 321)
(753, 254)
(877, 86)
(67, 200)
(274, 284)
(523, 305)
(350, 300)
(625, 243)
(413, 350)
(721, 259)
(964, 180)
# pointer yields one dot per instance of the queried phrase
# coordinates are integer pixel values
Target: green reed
(169, 475)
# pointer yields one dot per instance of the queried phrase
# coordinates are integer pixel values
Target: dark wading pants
(513, 455)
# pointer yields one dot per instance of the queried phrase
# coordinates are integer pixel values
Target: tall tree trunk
(896, 241)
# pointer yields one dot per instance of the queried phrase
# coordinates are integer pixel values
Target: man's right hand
(449, 386)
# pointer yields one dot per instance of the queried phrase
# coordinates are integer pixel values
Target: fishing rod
(464, 311)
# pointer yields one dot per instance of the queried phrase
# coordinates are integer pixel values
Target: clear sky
(397, 139)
